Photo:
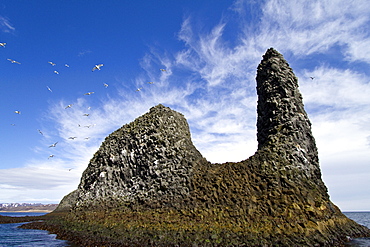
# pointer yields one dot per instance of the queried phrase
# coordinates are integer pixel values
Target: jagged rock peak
(149, 160)
(282, 122)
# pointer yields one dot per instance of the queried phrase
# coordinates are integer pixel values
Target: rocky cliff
(149, 174)
(147, 162)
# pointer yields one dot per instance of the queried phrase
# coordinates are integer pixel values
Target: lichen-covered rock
(149, 174)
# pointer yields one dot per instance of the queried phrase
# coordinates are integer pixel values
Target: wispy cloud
(5, 25)
(83, 53)
(339, 88)
(306, 27)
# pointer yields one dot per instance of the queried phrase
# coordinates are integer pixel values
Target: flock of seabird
(96, 67)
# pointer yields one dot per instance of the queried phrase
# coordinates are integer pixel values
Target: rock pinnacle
(282, 122)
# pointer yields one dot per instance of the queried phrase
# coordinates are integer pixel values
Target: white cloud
(359, 50)
(306, 27)
(336, 87)
(41, 181)
(349, 191)
(5, 25)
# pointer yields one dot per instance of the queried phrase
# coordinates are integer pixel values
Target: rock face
(276, 197)
(282, 122)
(149, 161)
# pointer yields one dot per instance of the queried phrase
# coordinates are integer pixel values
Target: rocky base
(184, 228)
(230, 205)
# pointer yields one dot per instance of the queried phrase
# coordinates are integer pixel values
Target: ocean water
(363, 218)
(12, 236)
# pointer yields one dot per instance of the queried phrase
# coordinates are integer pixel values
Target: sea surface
(363, 218)
(12, 236)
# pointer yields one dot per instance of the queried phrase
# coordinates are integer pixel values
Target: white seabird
(86, 114)
(2, 44)
(52, 64)
(97, 67)
(105, 85)
(41, 132)
(139, 89)
(66, 65)
(69, 106)
(18, 112)
(89, 93)
(53, 145)
(49, 89)
(56, 72)
(13, 61)
(51, 156)
(72, 137)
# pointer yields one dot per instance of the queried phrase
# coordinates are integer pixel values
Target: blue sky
(209, 50)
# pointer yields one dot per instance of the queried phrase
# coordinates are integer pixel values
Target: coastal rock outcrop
(150, 174)
(147, 162)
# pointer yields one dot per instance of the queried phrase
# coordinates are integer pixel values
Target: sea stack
(282, 122)
(150, 186)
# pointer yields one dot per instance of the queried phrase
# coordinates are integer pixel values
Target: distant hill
(13, 207)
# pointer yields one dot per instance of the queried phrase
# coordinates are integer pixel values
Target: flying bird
(66, 65)
(13, 61)
(69, 169)
(105, 85)
(18, 112)
(312, 77)
(69, 106)
(139, 89)
(163, 70)
(49, 89)
(56, 72)
(151, 82)
(2, 44)
(51, 156)
(87, 138)
(97, 67)
(53, 145)
(89, 93)
(52, 64)
(41, 132)
(72, 137)
(86, 114)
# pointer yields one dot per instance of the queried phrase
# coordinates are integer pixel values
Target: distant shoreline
(28, 211)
